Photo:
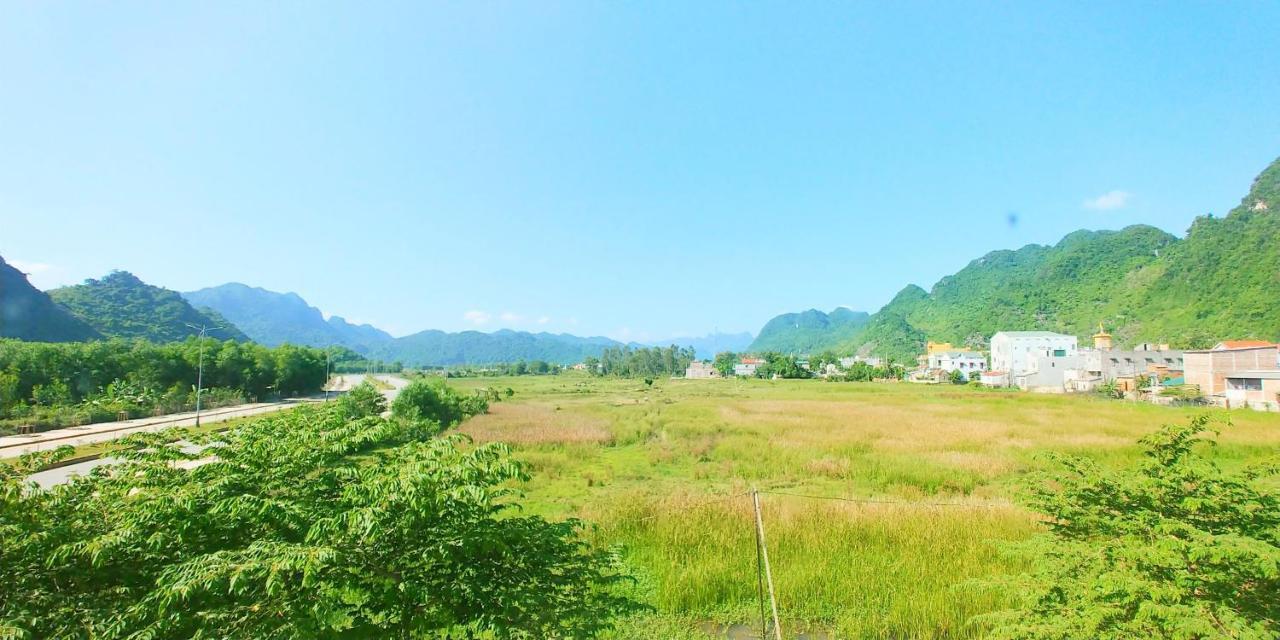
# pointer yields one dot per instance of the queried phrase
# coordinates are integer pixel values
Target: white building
(701, 371)
(849, 361)
(746, 367)
(967, 363)
(1019, 352)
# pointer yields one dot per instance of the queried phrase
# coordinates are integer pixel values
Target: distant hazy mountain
(438, 348)
(272, 318)
(809, 331)
(28, 313)
(1145, 285)
(706, 347)
(122, 306)
(360, 337)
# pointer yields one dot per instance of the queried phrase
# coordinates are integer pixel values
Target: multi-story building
(1018, 352)
(967, 363)
(701, 371)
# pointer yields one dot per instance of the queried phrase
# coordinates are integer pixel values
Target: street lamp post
(204, 329)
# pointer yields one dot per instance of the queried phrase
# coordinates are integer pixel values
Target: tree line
(628, 362)
(53, 384)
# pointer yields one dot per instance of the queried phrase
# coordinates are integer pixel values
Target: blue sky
(638, 170)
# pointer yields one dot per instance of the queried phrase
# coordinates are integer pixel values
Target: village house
(1128, 368)
(1034, 359)
(966, 362)
(1236, 373)
(848, 361)
(747, 367)
(699, 370)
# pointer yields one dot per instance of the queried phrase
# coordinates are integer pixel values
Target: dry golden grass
(528, 424)
(642, 462)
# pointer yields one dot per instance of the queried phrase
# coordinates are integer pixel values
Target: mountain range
(272, 318)
(1221, 281)
(119, 305)
(1143, 284)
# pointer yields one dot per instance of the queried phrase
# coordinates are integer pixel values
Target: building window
(1058, 353)
(1244, 384)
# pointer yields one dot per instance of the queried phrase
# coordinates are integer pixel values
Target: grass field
(661, 470)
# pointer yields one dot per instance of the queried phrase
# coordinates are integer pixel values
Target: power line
(882, 501)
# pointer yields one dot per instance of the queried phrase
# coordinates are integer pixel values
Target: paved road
(51, 477)
(13, 446)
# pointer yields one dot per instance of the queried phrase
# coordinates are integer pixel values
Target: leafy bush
(306, 525)
(362, 401)
(436, 402)
(1175, 548)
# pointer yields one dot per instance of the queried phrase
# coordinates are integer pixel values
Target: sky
(633, 169)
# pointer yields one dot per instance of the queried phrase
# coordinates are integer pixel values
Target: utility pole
(200, 368)
(326, 374)
(764, 556)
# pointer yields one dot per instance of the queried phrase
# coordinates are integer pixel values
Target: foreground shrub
(1175, 548)
(305, 525)
(436, 402)
(362, 401)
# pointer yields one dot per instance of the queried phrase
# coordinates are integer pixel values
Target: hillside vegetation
(28, 313)
(809, 331)
(122, 306)
(1144, 284)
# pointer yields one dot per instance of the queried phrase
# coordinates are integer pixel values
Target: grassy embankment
(641, 463)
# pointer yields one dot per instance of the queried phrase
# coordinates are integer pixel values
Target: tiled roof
(1243, 344)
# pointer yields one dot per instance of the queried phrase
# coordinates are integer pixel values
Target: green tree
(436, 402)
(306, 525)
(724, 362)
(1173, 548)
(362, 401)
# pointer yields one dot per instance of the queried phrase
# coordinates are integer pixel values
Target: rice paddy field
(933, 471)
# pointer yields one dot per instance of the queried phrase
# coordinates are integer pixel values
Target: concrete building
(848, 362)
(994, 379)
(701, 371)
(1018, 352)
(1209, 369)
(932, 347)
(967, 363)
(1107, 366)
(1047, 373)
(747, 367)
(1254, 389)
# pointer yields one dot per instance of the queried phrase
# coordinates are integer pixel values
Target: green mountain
(1143, 284)
(28, 313)
(272, 318)
(122, 306)
(809, 331)
(438, 348)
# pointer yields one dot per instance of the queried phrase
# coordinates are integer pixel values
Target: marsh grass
(643, 463)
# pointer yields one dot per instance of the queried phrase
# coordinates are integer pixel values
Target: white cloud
(1114, 199)
(507, 316)
(477, 317)
(544, 320)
